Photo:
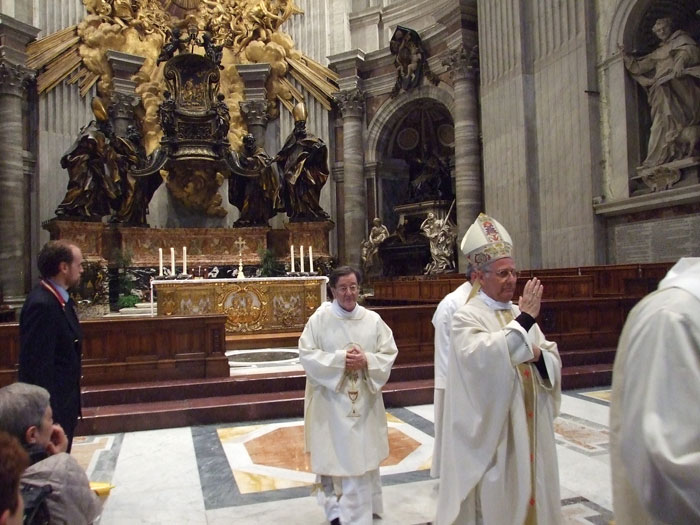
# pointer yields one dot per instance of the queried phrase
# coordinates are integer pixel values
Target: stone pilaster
(123, 100)
(254, 107)
(124, 66)
(461, 63)
(15, 78)
(255, 114)
(351, 104)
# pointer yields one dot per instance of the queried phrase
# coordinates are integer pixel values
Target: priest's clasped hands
(529, 303)
(355, 359)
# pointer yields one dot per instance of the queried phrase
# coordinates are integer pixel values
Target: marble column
(468, 180)
(351, 104)
(15, 260)
(254, 107)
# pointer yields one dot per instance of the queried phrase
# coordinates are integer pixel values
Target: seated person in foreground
(25, 413)
(13, 460)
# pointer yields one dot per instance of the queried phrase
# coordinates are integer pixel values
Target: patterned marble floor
(250, 473)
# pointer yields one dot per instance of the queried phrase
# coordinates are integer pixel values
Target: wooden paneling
(560, 283)
(120, 350)
(413, 331)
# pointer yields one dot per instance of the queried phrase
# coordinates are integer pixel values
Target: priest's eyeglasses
(344, 289)
(505, 273)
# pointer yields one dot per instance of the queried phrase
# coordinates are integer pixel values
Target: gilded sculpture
(236, 31)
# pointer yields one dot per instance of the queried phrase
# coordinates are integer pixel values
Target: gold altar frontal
(258, 305)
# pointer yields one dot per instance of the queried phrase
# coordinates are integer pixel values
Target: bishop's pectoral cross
(241, 244)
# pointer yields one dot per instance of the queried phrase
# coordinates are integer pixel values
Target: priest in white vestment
(499, 462)
(442, 322)
(655, 405)
(347, 352)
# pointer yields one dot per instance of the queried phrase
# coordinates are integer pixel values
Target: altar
(256, 305)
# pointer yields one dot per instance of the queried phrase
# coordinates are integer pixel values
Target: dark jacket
(50, 353)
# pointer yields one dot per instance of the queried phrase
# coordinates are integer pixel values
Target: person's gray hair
(21, 406)
(470, 271)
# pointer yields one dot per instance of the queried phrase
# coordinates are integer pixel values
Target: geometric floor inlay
(271, 456)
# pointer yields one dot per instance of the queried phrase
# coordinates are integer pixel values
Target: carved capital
(462, 63)
(254, 112)
(122, 105)
(14, 79)
(351, 102)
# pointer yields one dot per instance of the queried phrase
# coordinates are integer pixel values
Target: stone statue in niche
(671, 77)
(442, 234)
(254, 190)
(377, 235)
(303, 166)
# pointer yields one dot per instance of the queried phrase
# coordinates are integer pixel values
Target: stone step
(588, 356)
(146, 406)
(585, 376)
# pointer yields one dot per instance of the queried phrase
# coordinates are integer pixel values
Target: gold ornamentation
(249, 30)
(262, 306)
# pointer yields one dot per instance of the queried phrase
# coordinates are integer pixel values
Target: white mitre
(486, 241)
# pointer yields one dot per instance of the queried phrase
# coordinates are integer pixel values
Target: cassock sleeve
(39, 333)
(323, 368)
(661, 450)
(379, 363)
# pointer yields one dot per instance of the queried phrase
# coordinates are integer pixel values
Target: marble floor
(252, 473)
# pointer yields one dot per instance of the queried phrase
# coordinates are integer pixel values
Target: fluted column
(351, 104)
(461, 64)
(14, 197)
(15, 259)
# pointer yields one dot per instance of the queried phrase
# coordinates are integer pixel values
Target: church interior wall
(506, 120)
(540, 128)
(657, 226)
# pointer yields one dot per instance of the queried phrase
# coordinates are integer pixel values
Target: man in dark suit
(50, 335)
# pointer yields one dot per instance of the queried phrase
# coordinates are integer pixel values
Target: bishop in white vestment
(347, 352)
(499, 463)
(655, 405)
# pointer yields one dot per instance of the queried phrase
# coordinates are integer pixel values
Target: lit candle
(301, 256)
(172, 260)
(291, 256)
(160, 261)
(184, 260)
(311, 259)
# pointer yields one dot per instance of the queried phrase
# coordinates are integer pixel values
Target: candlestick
(172, 260)
(291, 256)
(311, 259)
(184, 260)
(301, 256)
(160, 262)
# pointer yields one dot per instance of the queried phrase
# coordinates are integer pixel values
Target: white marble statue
(671, 77)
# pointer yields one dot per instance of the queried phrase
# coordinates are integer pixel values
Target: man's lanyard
(51, 288)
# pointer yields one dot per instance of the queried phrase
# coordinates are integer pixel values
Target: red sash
(51, 288)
